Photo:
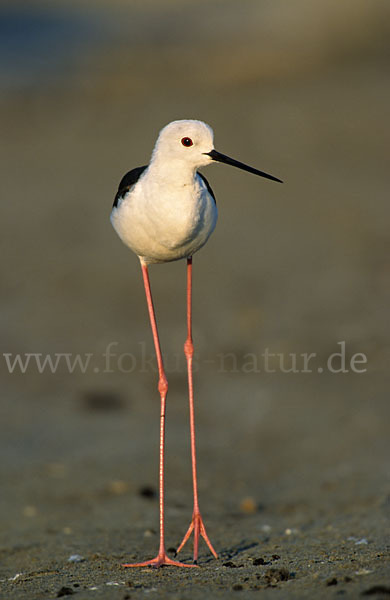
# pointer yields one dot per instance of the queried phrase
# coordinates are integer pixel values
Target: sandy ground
(293, 466)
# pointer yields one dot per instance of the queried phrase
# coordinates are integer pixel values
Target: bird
(166, 211)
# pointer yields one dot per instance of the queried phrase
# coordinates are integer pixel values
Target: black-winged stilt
(166, 211)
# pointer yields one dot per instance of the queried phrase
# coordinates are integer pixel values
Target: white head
(186, 140)
(192, 143)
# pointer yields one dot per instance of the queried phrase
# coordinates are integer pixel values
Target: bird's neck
(175, 172)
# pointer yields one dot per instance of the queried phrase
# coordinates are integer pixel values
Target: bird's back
(127, 182)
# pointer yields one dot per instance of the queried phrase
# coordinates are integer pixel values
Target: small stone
(377, 589)
(259, 561)
(148, 491)
(332, 581)
(248, 506)
(273, 576)
(102, 401)
(229, 564)
(237, 587)
(65, 591)
(363, 572)
(358, 542)
(150, 533)
(76, 558)
(117, 487)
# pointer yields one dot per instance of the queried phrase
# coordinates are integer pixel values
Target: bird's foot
(161, 560)
(197, 526)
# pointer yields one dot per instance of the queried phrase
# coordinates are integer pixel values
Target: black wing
(127, 182)
(210, 191)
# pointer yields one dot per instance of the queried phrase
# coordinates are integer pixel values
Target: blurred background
(300, 90)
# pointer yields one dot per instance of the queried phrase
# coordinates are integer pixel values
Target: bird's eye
(187, 142)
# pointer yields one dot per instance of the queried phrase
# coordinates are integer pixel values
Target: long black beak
(236, 163)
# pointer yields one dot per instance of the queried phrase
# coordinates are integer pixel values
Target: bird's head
(187, 140)
(192, 143)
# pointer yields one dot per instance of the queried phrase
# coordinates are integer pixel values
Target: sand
(293, 466)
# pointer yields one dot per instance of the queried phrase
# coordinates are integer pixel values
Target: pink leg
(197, 525)
(162, 557)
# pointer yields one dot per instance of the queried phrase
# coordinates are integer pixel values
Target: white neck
(175, 172)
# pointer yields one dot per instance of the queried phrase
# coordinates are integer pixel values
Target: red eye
(187, 142)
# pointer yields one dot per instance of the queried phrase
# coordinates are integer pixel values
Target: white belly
(162, 225)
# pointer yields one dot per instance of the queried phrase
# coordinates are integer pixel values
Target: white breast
(163, 222)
